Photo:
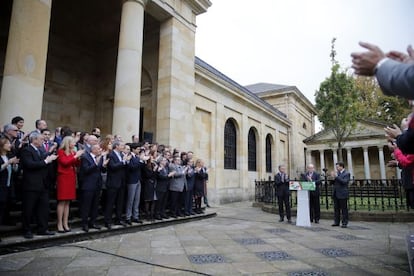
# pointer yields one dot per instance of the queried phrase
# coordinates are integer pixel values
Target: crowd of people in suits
(125, 182)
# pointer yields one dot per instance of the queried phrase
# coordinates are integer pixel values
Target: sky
(289, 41)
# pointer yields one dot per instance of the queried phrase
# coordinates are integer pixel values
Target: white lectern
(302, 213)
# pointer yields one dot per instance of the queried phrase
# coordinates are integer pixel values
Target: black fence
(364, 194)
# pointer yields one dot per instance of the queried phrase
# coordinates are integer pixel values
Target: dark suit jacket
(190, 179)
(134, 170)
(116, 172)
(4, 174)
(34, 170)
(316, 177)
(340, 188)
(163, 181)
(90, 173)
(282, 185)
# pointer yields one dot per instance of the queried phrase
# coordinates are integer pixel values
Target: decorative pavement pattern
(316, 229)
(308, 273)
(336, 252)
(206, 259)
(278, 231)
(240, 240)
(347, 237)
(249, 241)
(274, 255)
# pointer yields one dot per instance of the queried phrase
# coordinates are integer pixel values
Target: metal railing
(364, 194)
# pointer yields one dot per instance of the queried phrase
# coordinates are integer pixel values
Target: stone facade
(129, 67)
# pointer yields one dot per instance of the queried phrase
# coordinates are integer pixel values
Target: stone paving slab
(241, 235)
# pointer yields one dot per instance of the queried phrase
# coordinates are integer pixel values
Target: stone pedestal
(25, 64)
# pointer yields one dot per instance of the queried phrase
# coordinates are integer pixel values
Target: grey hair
(34, 135)
(8, 127)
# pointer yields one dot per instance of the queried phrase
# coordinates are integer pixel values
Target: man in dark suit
(340, 194)
(90, 175)
(314, 196)
(134, 185)
(35, 185)
(115, 184)
(283, 193)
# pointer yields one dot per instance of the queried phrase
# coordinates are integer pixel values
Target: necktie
(47, 146)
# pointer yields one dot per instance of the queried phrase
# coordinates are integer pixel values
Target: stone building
(129, 67)
(365, 153)
(299, 110)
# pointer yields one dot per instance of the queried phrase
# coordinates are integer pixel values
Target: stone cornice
(199, 6)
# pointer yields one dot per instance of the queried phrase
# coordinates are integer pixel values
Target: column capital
(348, 148)
(381, 148)
(365, 148)
(141, 2)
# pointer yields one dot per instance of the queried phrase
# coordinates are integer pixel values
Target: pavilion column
(25, 62)
(335, 156)
(366, 163)
(322, 159)
(349, 158)
(127, 97)
(308, 157)
(381, 162)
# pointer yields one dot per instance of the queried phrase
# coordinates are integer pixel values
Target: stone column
(175, 93)
(335, 156)
(322, 159)
(127, 98)
(308, 157)
(25, 63)
(349, 157)
(381, 161)
(366, 163)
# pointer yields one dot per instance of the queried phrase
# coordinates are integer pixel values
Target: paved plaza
(240, 240)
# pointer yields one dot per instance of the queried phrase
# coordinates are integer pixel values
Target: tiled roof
(265, 87)
(233, 83)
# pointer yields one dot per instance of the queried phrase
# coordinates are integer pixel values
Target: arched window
(304, 126)
(268, 153)
(251, 149)
(230, 139)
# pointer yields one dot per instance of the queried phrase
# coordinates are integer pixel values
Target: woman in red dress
(67, 161)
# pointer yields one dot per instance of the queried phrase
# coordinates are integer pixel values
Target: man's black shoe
(158, 217)
(120, 222)
(192, 213)
(208, 206)
(344, 226)
(335, 224)
(108, 225)
(95, 226)
(289, 221)
(165, 217)
(28, 235)
(173, 216)
(85, 228)
(137, 221)
(46, 233)
(316, 221)
(281, 220)
(128, 221)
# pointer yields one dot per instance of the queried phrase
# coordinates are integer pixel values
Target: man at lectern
(314, 200)
(283, 193)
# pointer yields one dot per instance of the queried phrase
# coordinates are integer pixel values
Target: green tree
(336, 103)
(373, 104)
